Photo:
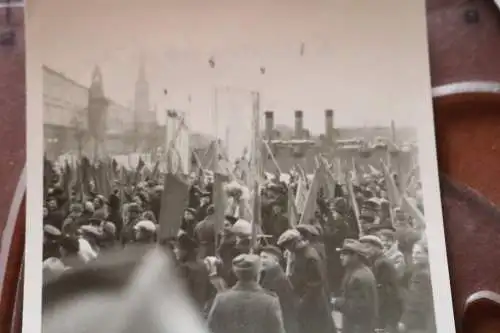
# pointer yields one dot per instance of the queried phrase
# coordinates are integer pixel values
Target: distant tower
(97, 112)
(143, 115)
(141, 101)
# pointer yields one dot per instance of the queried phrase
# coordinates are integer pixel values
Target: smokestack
(269, 116)
(329, 125)
(299, 124)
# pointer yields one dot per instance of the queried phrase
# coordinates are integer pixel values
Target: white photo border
(32, 305)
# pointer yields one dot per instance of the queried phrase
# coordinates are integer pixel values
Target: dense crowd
(359, 265)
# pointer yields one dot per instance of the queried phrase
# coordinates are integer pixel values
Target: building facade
(66, 118)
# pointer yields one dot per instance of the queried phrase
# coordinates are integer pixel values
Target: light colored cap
(291, 235)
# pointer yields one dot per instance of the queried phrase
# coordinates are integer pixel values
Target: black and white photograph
(221, 166)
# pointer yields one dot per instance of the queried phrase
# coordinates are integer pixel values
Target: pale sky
(365, 59)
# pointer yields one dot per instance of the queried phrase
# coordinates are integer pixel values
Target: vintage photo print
(227, 166)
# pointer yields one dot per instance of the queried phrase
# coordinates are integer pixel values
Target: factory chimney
(269, 117)
(299, 124)
(329, 130)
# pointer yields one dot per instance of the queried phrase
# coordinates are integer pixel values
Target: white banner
(177, 131)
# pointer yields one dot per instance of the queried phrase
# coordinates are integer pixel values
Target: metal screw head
(471, 16)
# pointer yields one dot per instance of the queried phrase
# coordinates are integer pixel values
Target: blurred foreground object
(126, 291)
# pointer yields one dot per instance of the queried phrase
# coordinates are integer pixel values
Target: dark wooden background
(464, 45)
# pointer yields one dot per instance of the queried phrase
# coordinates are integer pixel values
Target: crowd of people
(342, 271)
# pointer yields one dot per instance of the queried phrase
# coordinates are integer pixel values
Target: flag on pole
(354, 203)
(292, 209)
(173, 202)
(312, 195)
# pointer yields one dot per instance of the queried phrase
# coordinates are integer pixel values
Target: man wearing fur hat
(308, 279)
(358, 302)
(247, 307)
(389, 298)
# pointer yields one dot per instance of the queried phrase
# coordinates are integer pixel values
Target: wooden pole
(256, 166)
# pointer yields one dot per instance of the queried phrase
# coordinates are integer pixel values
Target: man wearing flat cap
(273, 278)
(308, 279)
(358, 302)
(386, 276)
(247, 307)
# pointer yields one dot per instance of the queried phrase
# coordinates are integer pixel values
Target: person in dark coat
(204, 233)
(247, 307)
(74, 220)
(189, 221)
(358, 302)
(418, 314)
(133, 213)
(312, 235)
(273, 278)
(227, 251)
(55, 216)
(193, 272)
(51, 237)
(389, 296)
(205, 203)
(308, 279)
(115, 214)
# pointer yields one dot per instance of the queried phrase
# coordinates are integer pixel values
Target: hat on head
(109, 227)
(372, 240)
(387, 233)
(91, 230)
(50, 230)
(54, 265)
(272, 250)
(145, 225)
(134, 208)
(290, 235)
(158, 188)
(190, 210)
(307, 230)
(374, 228)
(247, 263)
(95, 221)
(242, 228)
(354, 246)
(89, 206)
(372, 203)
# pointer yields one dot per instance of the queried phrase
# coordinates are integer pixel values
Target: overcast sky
(365, 59)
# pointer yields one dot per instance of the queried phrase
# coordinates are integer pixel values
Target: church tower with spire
(97, 112)
(144, 115)
(141, 101)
